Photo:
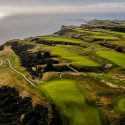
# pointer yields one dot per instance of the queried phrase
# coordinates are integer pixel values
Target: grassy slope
(101, 34)
(61, 39)
(71, 102)
(65, 94)
(10, 78)
(120, 104)
(113, 56)
(108, 78)
(76, 59)
(15, 60)
(104, 37)
(90, 32)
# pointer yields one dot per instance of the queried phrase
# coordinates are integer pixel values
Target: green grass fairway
(113, 56)
(70, 102)
(61, 39)
(100, 33)
(76, 59)
(104, 37)
(120, 104)
(88, 31)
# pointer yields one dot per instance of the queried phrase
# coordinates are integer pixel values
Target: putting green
(113, 56)
(71, 103)
(76, 59)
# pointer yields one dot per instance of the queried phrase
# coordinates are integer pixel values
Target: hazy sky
(58, 6)
(56, 2)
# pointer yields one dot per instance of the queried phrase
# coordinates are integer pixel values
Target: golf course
(71, 102)
(75, 76)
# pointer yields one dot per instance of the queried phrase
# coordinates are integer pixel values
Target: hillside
(77, 73)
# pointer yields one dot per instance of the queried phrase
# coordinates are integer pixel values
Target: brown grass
(12, 79)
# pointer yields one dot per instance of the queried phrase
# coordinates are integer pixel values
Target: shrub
(13, 107)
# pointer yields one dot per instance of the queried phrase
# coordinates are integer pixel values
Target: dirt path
(10, 66)
(77, 72)
(74, 70)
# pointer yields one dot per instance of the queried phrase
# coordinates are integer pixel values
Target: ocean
(29, 25)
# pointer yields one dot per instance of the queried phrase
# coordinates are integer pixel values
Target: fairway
(120, 103)
(71, 102)
(113, 56)
(90, 32)
(61, 39)
(76, 59)
(104, 37)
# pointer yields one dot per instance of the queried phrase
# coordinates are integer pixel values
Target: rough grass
(70, 102)
(12, 79)
(16, 63)
(113, 56)
(119, 104)
(108, 78)
(115, 44)
(15, 60)
(114, 33)
(73, 57)
(100, 33)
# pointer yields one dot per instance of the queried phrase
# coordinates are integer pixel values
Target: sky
(56, 2)
(60, 6)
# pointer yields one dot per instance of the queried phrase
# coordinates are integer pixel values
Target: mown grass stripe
(71, 102)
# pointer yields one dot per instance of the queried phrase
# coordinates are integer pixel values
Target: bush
(13, 107)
